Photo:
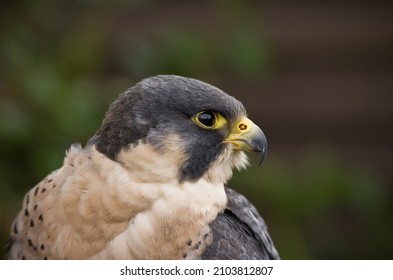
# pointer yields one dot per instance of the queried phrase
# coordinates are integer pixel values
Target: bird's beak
(247, 136)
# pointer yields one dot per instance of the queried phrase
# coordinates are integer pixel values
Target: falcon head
(170, 127)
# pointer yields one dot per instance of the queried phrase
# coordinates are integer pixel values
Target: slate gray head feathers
(164, 106)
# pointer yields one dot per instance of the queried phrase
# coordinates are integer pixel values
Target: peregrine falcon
(150, 183)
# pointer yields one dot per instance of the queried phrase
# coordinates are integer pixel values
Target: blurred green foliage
(63, 63)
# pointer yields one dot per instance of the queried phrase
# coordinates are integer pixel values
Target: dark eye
(207, 118)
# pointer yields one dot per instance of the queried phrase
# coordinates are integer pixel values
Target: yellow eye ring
(209, 119)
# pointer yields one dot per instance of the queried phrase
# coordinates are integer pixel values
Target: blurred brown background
(317, 76)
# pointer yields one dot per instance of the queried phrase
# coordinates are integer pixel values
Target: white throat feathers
(137, 201)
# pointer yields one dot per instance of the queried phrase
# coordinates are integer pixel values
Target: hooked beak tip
(264, 152)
